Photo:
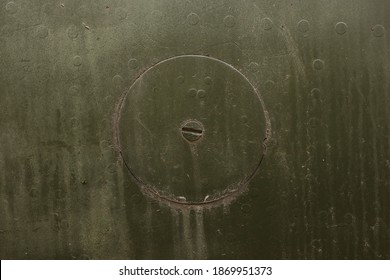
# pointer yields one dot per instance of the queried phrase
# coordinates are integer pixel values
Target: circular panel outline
(151, 191)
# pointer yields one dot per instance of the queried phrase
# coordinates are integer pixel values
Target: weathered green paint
(214, 100)
(321, 68)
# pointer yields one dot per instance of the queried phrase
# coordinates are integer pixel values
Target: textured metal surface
(321, 69)
(221, 116)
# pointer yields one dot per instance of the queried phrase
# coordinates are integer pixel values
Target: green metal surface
(135, 129)
(207, 98)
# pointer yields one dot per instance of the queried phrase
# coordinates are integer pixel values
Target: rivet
(208, 81)
(303, 25)
(201, 93)
(378, 30)
(341, 28)
(180, 79)
(11, 7)
(318, 64)
(192, 92)
(229, 21)
(77, 61)
(73, 32)
(193, 19)
(266, 23)
(133, 63)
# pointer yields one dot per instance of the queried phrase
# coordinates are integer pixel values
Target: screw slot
(192, 130)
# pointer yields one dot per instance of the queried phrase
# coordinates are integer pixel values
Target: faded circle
(117, 80)
(244, 119)
(204, 182)
(133, 63)
(111, 168)
(378, 30)
(349, 218)
(269, 85)
(74, 89)
(201, 93)
(208, 81)
(108, 99)
(266, 23)
(73, 32)
(192, 92)
(193, 19)
(74, 122)
(253, 67)
(180, 79)
(157, 15)
(229, 21)
(318, 64)
(303, 25)
(33, 192)
(246, 208)
(341, 28)
(314, 122)
(42, 31)
(48, 9)
(11, 7)
(77, 61)
(105, 145)
(315, 93)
